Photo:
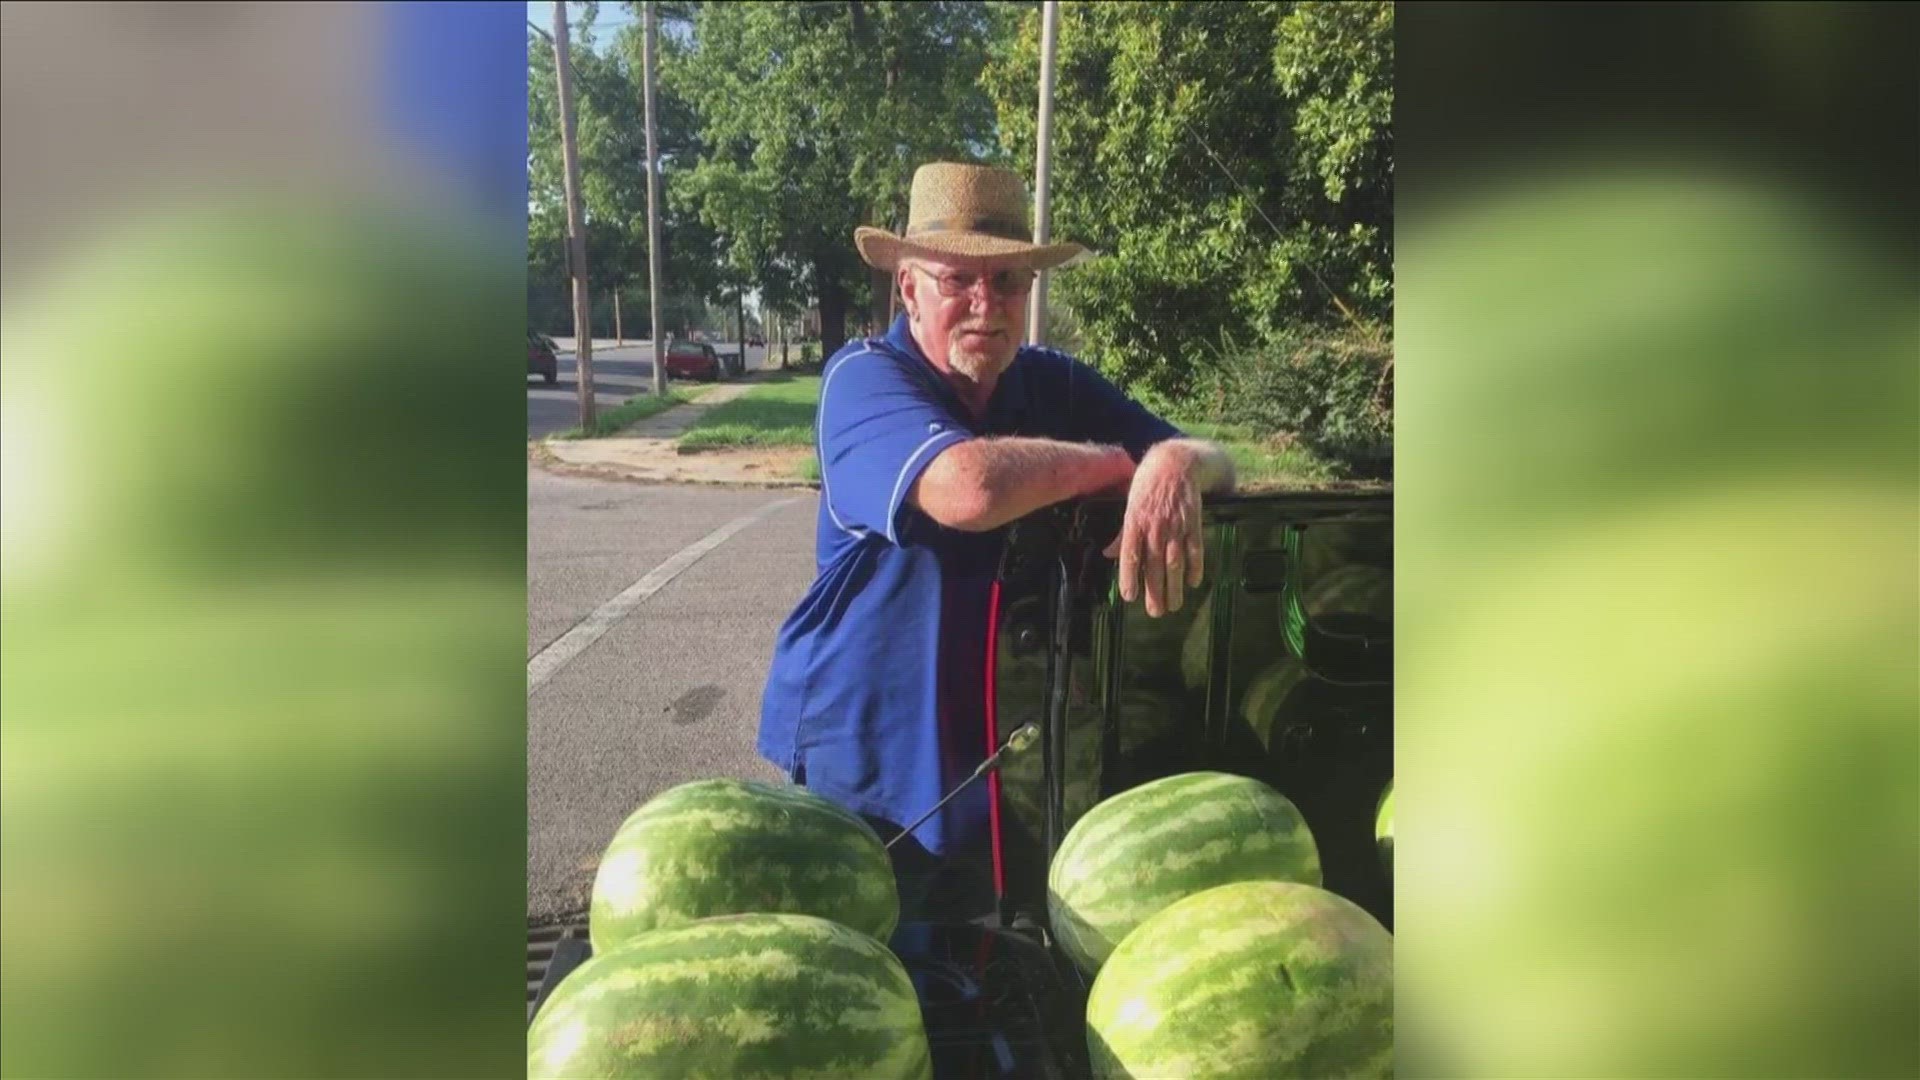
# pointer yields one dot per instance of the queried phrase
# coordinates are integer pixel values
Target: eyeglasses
(1004, 284)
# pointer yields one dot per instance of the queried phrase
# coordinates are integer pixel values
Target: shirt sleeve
(1101, 413)
(880, 426)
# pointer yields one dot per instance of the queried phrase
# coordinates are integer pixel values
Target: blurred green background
(262, 771)
(262, 620)
(1658, 335)
(262, 614)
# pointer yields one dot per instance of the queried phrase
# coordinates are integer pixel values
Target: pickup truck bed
(1300, 581)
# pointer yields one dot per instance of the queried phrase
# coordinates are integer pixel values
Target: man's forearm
(1208, 464)
(983, 484)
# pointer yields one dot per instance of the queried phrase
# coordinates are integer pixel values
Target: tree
(1231, 162)
(813, 117)
(611, 129)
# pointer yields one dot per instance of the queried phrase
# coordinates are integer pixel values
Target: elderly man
(931, 439)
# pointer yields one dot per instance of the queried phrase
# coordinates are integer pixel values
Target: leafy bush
(1232, 164)
(1330, 389)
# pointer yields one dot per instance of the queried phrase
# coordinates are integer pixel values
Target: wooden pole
(619, 334)
(1043, 168)
(648, 49)
(576, 226)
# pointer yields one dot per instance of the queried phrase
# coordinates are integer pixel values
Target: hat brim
(883, 249)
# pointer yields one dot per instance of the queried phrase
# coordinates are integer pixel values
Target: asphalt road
(670, 692)
(618, 374)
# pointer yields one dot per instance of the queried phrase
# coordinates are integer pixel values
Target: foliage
(813, 117)
(610, 130)
(1332, 390)
(1261, 461)
(1231, 162)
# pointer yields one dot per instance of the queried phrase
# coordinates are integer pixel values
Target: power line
(614, 27)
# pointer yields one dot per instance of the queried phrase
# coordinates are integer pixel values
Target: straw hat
(967, 210)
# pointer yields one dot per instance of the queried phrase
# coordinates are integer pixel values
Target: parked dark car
(1302, 580)
(694, 360)
(543, 358)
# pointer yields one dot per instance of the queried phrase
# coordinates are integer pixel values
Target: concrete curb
(540, 455)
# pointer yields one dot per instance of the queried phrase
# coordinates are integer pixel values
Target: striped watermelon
(729, 847)
(1023, 782)
(1259, 980)
(1383, 829)
(775, 996)
(1352, 590)
(1196, 650)
(1147, 717)
(1153, 646)
(1247, 647)
(1163, 841)
(1261, 703)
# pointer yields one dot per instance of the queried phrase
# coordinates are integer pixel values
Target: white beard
(980, 365)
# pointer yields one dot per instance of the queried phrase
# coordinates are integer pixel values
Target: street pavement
(618, 374)
(670, 692)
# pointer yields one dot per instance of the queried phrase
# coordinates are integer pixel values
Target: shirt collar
(1009, 402)
(901, 338)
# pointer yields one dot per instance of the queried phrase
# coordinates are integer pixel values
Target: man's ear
(903, 280)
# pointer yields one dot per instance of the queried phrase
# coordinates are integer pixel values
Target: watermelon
(1023, 775)
(1248, 648)
(1261, 704)
(1383, 829)
(1146, 848)
(1146, 717)
(1256, 980)
(1152, 647)
(1196, 650)
(735, 996)
(1352, 590)
(730, 847)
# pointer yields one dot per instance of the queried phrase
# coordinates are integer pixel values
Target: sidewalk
(645, 452)
(603, 344)
(606, 344)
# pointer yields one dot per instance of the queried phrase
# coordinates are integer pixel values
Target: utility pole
(619, 334)
(740, 320)
(1043, 168)
(653, 202)
(576, 227)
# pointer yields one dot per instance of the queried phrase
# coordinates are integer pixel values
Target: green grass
(635, 408)
(1263, 463)
(777, 413)
(1259, 464)
(780, 413)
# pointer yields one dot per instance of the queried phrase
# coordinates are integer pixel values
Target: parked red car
(694, 360)
(542, 358)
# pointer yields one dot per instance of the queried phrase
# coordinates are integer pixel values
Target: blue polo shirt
(876, 694)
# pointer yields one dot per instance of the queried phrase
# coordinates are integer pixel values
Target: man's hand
(1162, 546)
